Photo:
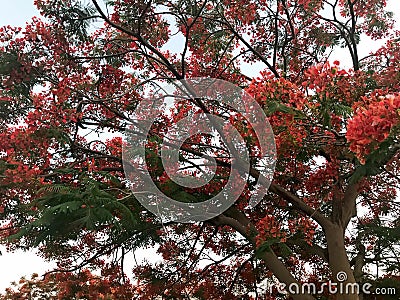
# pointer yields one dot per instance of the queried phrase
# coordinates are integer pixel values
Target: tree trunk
(283, 274)
(339, 264)
(238, 221)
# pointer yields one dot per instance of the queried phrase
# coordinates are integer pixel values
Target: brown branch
(270, 259)
(300, 204)
(140, 39)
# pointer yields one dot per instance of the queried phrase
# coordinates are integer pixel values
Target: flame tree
(70, 82)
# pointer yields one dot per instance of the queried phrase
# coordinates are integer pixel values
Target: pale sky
(17, 13)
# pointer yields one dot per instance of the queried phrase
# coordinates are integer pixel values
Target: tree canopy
(71, 80)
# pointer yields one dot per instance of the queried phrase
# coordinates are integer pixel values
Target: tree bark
(238, 221)
(282, 273)
(339, 264)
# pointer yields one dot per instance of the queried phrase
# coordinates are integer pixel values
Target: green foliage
(65, 210)
(266, 246)
(75, 16)
(10, 111)
(8, 62)
(374, 162)
(275, 106)
(387, 241)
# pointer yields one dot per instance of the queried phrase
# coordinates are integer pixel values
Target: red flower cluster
(372, 125)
